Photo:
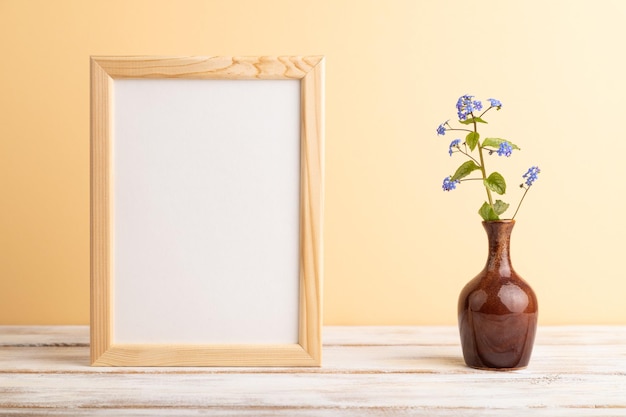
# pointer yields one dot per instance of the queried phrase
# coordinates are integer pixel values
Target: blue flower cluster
(449, 185)
(505, 149)
(531, 175)
(465, 106)
(441, 130)
(495, 103)
(454, 144)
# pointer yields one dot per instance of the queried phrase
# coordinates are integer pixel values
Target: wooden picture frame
(109, 348)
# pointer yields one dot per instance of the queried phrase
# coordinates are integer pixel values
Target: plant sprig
(468, 114)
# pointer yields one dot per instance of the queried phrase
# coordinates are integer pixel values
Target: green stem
(482, 166)
(469, 156)
(520, 203)
(459, 130)
(489, 108)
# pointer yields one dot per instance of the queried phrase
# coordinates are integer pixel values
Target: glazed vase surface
(497, 309)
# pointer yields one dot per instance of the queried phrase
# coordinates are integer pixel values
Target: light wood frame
(309, 70)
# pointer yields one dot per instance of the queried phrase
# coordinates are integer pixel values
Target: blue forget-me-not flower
(531, 175)
(505, 149)
(465, 106)
(441, 130)
(454, 144)
(449, 185)
(495, 103)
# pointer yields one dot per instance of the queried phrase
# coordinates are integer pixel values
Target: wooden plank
(347, 335)
(31, 336)
(317, 412)
(449, 335)
(400, 371)
(340, 360)
(326, 391)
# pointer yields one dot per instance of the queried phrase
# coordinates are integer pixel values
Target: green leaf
(500, 207)
(487, 213)
(496, 183)
(464, 170)
(495, 143)
(472, 140)
(472, 120)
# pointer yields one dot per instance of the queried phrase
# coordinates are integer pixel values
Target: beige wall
(398, 250)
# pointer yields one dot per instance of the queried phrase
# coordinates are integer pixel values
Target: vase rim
(499, 221)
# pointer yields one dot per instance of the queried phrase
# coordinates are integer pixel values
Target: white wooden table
(367, 371)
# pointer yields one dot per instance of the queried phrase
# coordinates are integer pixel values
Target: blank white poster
(206, 179)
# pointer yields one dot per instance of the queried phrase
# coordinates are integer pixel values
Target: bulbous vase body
(497, 309)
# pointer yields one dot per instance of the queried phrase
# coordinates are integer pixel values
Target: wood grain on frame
(309, 70)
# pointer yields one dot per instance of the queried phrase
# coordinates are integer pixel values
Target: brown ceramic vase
(497, 309)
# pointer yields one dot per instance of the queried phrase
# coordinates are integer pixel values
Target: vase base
(486, 368)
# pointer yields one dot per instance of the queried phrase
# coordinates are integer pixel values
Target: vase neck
(499, 237)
